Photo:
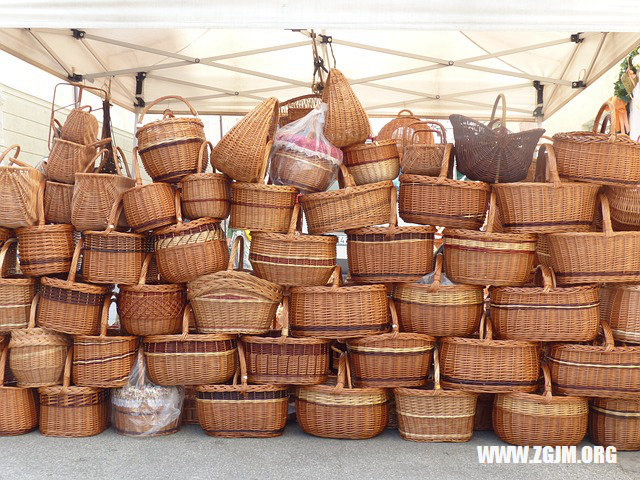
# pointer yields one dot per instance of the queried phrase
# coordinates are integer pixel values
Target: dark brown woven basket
(615, 422)
(18, 409)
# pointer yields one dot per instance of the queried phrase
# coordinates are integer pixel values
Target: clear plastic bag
(143, 409)
(302, 156)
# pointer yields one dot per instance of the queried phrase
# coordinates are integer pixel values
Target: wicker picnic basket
(546, 314)
(346, 122)
(624, 203)
(611, 159)
(190, 359)
(205, 194)
(390, 254)
(532, 419)
(540, 207)
(296, 108)
(154, 309)
(606, 370)
(80, 126)
(485, 365)
(103, 361)
(335, 311)
(186, 251)
(70, 306)
(487, 257)
(596, 257)
(615, 422)
(169, 147)
(622, 311)
(241, 153)
(491, 153)
(436, 309)
(396, 129)
(293, 259)
(70, 411)
(341, 411)
(67, 158)
(421, 155)
(16, 293)
(18, 410)
(19, 187)
(348, 207)
(435, 415)
(442, 200)
(279, 359)
(234, 301)
(242, 410)
(372, 162)
(94, 194)
(392, 359)
(57, 202)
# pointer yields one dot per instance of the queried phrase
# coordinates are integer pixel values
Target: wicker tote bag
(16, 292)
(421, 155)
(615, 422)
(67, 158)
(372, 162)
(19, 185)
(18, 410)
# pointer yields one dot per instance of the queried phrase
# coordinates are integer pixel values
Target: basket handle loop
(405, 111)
(104, 316)
(552, 164)
(40, 216)
(116, 161)
(186, 316)
(486, 329)
(202, 165)
(446, 162)
(491, 215)
(244, 377)
(66, 379)
(336, 277)
(347, 177)
(162, 99)
(436, 369)
(438, 128)
(142, 280)
(178, 206)
(395, 327)
(344, 373)
(606, 215)
(15, 160)
(3, 364)
(3, 254)
(92, 163)
(293, 223)
(136, 167)
(609, 341)
(71, 277)
(284, 333)
(393, 216)
(437, 273)
(606, 106)
(548, 390)
(265, 160)
(548, 277)
(114, 214)
(32, 312)
(55, 127)
(99, 143)
(236, 248)
(503, 119)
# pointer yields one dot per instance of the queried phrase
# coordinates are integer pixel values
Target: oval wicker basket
(57, 202)
(372, 162)
(392, 359)
(624, 203)
(436, 309)
(421, 155)
(337, 311)
(18, 410)
(68, 158)
(546, 314)
(531, 419)
(615, 422)
(441, 200)
(485, 365)
(390, 254)
(622, 311)
(169, 147)
(16, 292)
(19, 187)
(396, 129)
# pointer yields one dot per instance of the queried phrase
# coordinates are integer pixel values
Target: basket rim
(574, 347)
(75, 286)
(542, 291)
(492, 236)
(634, 287)
(111, 233)
(70, 390)
(446, 288)
(521, 185)
(190, 337)
(427, 229)
(194, 177)
(345, 192)
(493, 343)
(430, 392)
(286, 341)
(153, 288)
(240, 388)
(19, 281)
(331, 389)
(263, 187)
(342, 289)
(166, 121)
(426, 180)
(181, 228)
(373, 144)
(594, 137)
(94, 338)
(428, 339)
(541, 399)
(195, 290)
(296, 237)
(63, 227)
(629, 233)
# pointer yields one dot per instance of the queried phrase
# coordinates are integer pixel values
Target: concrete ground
(190, 454)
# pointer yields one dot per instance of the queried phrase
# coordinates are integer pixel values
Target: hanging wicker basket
(421, 155)
(372, 162)
(67, 158)
(57, 202)
(18, 410)
(615, 422)
(16, 292)
(19, 187)
(296, 108)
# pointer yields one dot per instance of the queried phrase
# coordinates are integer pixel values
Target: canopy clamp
(76, 77)
(140, 77)
(576, 38)
(578, 84)
(78, 34)
(539, 98)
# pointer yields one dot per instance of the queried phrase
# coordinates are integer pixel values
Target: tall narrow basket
(67, 158)
(18, 411)
(19, 186)
(57, 202)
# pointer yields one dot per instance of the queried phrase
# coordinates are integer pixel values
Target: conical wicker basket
(18, 410)
(615, 422)
(19, 186)
(57, 202)
(420, 154)
(16, 292)
(372, 162)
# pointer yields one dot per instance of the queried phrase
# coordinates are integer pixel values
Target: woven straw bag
(69, 411)
(151, 309)
(16, 293)
(169, 147)
(390, 254)
(396, 129)
(80, 126)
(67, 158)
(240, 411)
(435, 415)
(621, 311)
(442, 200)
(19, 186)
(531, 419)
(539, 207)
(346, 122)
(438, 310)
(372, 162)
(601, 158)
(547, 313)
(297, 107)
(337, 311)
(57, 202)
(241, 153)
(18, 411)
(421, 155)
(392, 359)
(205, 194)
(615, 422)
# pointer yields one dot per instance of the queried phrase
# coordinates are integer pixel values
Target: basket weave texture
(372, 162)
(615, 422)
(420, 154)
(18, 411)
(16, 292)
(19, 186)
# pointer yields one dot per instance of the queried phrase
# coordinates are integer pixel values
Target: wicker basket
(68, 158)
(438, 310)
(435, 415)
(546, 314)
(485, 365)
(488, 258)
(19, 187)
(190, 359)
(234, 301)
(615, 422)
(346, 122)
(57, 202)
(298, 107)
(396, 129)
(241, 153)
(611, 159)
(293, 259)
(169, 147)
(18, 410)
(151, 309)
(67, 411)
(624, 203)
(390, 254)
(80, 126)
(349, 207)
(596, 257)
(281, 360)
(205, 194)
(621, 311)
(333, 411)
(16, 293)
(421, 156)
(372, 162)
(605, 371)
(546, 207)
(392, 359)
(337, 311)
(443, 201)
(240, 411)
(530, 419)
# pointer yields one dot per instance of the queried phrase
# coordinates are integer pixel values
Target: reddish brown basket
(392, 359)
(57, 202)
(622, 311)
(337, 311)
(19, 187)
(438, 310)
(546, 314)
(18, 411)
(372, 162)
(615, 422)
(421, 156)
(531, 419)
(390, 254)
(16, 292)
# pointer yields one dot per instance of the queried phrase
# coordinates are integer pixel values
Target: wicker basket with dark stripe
(372, 162)
(615, 422)
(625, 207)
(16, 292)
(18, 411)
(622, 311)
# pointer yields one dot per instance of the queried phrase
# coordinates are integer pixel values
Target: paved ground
(192, 455)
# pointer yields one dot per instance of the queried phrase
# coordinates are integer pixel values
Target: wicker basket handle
(606, 215)
(347, 178)
(55, 127)
(40, 217)
(136, 167)
(393, 215)
(408, 132)
(186, 316)
(3, 365)
(609, 341)
(436, 369)
(548, 390)
(14, 159)
(284, 333)
(405, 111)
(202, 165)
(92, 163)
(606, 106)
(32, 312)
(437, 127)
(71, 277)
(293, 223)
(244, 376)
(178, 206)
(445, 165)
(81, 87)
(344, 373)
(486, 329)
(548, 277)
(99, 143)
(552, 164)
(336, 277)
(123, 158)
(437, 273)
(142, 280)
(265, 160)
(162, 99)
(3, 253)
(104, 316)
(395, 326)
(66, 378)
(236, 249)
(114, 214)
(503, 118)
(491, 215)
